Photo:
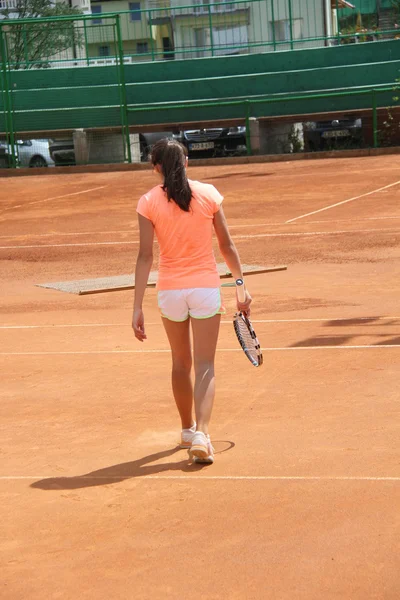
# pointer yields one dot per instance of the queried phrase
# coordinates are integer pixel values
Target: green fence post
(151, 36)
(290, 23)
(337, 22)
(273, 24)
(3, 81)
(248, 136)
(125, 121)
(375, 119)
(211, 28)
(26, 55)
(86, 42)
(9, 121)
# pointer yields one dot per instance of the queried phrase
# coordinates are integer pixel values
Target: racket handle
(241, 292)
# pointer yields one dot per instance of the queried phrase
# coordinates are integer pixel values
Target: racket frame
(241, 293)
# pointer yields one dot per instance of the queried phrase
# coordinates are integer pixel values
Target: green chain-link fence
(31, 52)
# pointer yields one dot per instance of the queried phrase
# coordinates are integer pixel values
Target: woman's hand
(244, 307)
(138, 324)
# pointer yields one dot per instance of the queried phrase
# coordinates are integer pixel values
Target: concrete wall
(93, 147)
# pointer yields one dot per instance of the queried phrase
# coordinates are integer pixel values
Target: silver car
(34, 153)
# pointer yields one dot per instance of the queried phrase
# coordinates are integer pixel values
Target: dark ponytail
(170, 155)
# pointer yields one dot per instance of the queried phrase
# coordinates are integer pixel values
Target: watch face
(239, 282)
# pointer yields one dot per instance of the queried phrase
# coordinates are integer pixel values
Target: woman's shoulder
(157, 190)
(206, 191)
(148, 203)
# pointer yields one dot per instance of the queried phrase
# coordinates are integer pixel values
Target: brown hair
(171, 155)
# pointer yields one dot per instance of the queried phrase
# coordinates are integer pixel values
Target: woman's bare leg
(179, 340)
(205, 336)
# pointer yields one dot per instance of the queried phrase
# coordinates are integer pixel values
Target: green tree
(31, 45)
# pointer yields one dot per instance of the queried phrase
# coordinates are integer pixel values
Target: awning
(342, 4)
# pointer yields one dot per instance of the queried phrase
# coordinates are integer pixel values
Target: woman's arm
(143, 266)
(230, 253)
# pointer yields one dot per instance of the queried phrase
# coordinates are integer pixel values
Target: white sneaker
(201, 449)
(187, 436)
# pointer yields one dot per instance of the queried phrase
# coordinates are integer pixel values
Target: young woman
(183, 214)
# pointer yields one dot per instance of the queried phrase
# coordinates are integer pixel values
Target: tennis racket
(245, 332)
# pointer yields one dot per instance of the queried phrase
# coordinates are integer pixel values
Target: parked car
(28, 153)
(147, 141)
(62, 152)
(5, 157)
(216, 141)
(34, 153)
(339, 133)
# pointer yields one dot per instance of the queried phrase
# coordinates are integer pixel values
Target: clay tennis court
(303, 499)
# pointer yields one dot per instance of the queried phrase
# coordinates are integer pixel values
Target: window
(199, 41)
(229, 40)
(134, 7)
(104, 50)
(282, 30)
(205, 6)
(96, 10)
(226, 5)
(142, 47)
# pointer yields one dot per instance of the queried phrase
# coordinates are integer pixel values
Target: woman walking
(183, 214)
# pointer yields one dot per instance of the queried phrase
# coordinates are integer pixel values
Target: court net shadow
(124, 471)
(343, 340)
(240, 174)
(323, 340)
(361, 321)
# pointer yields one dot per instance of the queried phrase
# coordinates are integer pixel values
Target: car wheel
(38, 161)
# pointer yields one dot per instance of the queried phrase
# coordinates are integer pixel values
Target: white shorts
(198, 303)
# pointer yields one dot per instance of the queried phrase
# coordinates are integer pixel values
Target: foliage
(32, 45)
(388, 134)
(359, 28)
(295, 139)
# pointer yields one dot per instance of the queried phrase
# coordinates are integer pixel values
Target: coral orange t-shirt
(185, 238)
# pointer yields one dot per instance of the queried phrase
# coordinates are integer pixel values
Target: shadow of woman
(121, 472)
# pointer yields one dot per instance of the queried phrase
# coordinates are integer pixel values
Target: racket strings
(247, 340)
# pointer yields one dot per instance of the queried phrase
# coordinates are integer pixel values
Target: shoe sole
(199, 451)
(208, 460)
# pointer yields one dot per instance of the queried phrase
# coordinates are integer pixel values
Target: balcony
(83, 5)
(8, 4)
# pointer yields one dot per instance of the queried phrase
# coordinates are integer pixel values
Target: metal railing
(249, 103)
(25, 44)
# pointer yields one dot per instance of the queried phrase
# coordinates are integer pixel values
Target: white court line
(251, 225)
(201, 477)
(127, 324)
(61, 234)
(55, 198)
(167, 350)
(235, 237)
(312, 233)
(133, 230)
(69, 245)
(124, 231)
(314, 212)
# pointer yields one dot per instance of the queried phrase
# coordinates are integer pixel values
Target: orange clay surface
(303, 500)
